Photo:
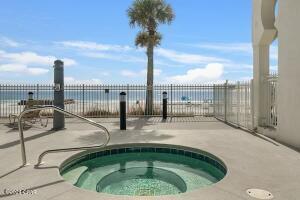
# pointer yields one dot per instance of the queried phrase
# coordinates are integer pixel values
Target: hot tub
(143, 170)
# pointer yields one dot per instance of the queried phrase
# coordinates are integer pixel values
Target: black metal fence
(103, 100)
(231, 102)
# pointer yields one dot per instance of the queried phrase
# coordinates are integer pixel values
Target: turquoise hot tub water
(144, 171)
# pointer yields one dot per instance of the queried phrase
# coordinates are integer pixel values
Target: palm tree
(148, 14)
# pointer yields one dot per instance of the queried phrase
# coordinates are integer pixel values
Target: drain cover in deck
(260, 194)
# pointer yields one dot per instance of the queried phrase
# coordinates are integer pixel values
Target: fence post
(83, 99)
(218, 94)
(225, 100)
(1, 101)
(127, 94)
(252, 103)
(165, 105)
(171, 100)
(59, 118)
(214, 99)
(238, 103)
(275, 90)
(106, 91)
(37, 91)
(122, 111)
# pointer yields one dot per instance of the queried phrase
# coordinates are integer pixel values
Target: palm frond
(149, 13)
(157, 39)
(143, 39)
(165, 14)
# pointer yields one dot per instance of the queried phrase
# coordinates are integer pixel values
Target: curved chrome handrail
(107, 134)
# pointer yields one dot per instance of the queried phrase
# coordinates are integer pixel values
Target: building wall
(288, 25)
(263, 34)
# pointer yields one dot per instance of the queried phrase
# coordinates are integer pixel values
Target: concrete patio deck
(252, 161)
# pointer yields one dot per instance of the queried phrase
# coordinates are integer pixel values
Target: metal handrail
(107, 134)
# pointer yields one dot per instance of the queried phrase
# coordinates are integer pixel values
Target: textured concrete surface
(252, 161)
(288, 102)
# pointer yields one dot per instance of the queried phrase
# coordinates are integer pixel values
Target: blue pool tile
(180, 152)
(223, 170)
(190, 154)
(93, 155)
(85, 158)
(144, 149)
(159, 150)
(122, 150)
(165, 150)
(80, 160)
(106, 152)
(147, 149)
(219, 165)
(216, 163)
(200, 157)
(206, 159)
(69, 166)
(136, 149)
(187, 153)
(211, 161)
(162, 150)
(194, 155)
(129, 150)
(151, 149)
(114, 151)
(72, 164)
(174, 151)
(168, 150)
(100, 153)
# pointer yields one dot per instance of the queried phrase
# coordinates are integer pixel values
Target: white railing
(272, 100)
(234, 103)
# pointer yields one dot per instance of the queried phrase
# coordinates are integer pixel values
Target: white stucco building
(286, 28)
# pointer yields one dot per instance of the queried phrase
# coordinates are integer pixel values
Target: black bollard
(122, 111)
(58, 118)
(30, 95)
(165, 105)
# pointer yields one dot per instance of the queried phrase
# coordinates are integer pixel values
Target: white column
(263, 34)
(260, 72)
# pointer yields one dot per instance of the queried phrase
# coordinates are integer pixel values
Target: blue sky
(208, 41)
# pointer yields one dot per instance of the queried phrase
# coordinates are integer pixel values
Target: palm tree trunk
(149, 94)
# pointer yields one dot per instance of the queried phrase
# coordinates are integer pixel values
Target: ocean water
(111, 96)
(182, 101)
